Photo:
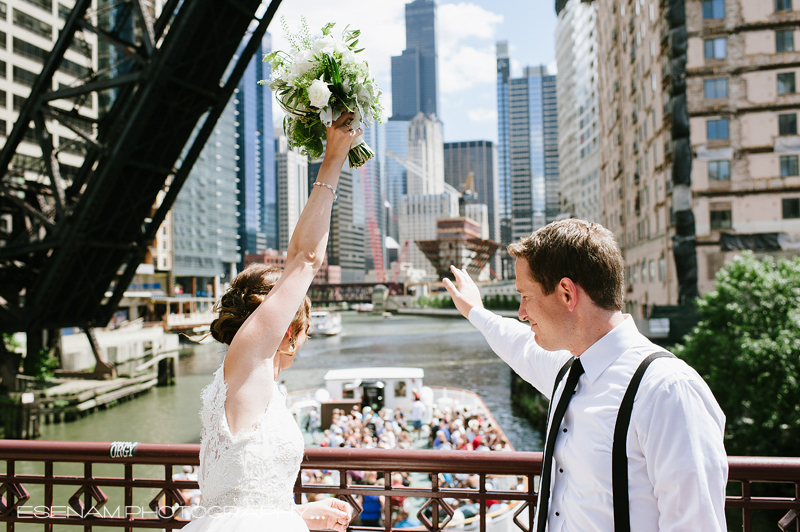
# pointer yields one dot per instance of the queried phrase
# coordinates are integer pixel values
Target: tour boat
(391, 388)
(325, 322)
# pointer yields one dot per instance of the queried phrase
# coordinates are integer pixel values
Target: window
(784, 41)
(791, 208)
(30, 51)
(719, 170)
(721, 217)
(2, 40)
(713, 9)
(716, 88)
(3, 127)
(783, 5)
(3, 69)
(644, 271)
(3, 99)
(787, 124)
(717, 129)
(46, 5)
(3, 10)
(24, 77)
(715, 48)
(662, 269)
(789, 166)
(33, 25)
(786, 83)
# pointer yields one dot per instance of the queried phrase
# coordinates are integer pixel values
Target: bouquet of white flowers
(318, 81)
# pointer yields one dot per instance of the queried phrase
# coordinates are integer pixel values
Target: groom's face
(540, 310)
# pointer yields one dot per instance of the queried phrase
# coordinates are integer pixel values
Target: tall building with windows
(28, 31)
(418, 216)
(503, 147)
(425, 161)
(291, 176)
(697, 162)
(479, 158)
(578, 128)
(257, 184)
(532, 148)
(347, 239)
(205, 224)
(415, 72)
(396, 175)
(373, 175)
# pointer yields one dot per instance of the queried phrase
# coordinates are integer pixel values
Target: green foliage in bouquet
(316, 82)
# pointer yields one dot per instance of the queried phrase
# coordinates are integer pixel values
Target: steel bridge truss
(71, 237)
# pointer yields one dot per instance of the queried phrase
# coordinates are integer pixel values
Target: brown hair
(247, 291)
(585, 252)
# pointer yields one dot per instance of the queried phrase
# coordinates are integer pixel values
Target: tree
(747, 348)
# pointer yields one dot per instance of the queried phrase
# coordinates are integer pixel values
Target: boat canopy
(374, 373)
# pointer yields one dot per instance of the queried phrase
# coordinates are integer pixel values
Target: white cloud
(466, 46)
(481, 115)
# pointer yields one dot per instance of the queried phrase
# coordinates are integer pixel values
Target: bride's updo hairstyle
(247, 291)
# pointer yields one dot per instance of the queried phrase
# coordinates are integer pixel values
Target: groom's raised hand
(465, 293)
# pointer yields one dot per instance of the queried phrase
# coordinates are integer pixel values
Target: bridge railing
(138, 485)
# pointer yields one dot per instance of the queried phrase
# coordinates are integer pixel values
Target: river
(450, 350)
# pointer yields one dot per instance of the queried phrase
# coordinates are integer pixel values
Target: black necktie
(547, 464)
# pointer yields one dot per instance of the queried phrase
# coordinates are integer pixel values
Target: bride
(251, 447)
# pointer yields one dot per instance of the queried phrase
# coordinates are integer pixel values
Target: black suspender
(619, 451)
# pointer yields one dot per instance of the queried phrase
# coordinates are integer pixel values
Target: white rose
(325, 44)
(340, 47)
(319, 94)
(349, 57)
(303, 62)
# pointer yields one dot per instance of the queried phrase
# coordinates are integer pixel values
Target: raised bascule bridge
(72, 236)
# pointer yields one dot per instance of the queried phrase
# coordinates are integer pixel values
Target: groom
(672, 460)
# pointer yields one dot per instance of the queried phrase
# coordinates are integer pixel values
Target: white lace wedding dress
(247, 479)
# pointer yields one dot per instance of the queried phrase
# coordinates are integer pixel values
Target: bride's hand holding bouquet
(319, 80)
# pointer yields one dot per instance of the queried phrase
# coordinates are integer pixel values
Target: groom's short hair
(585, 252)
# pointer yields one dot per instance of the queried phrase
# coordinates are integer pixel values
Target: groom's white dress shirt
(677, 465)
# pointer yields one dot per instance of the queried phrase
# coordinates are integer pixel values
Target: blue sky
(468, 31)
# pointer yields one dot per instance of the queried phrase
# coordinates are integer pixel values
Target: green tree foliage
(747, 348)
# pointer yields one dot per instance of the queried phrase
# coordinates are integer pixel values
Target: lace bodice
(257, 467)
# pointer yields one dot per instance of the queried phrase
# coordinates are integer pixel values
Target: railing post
(482, 491)
(48, 493)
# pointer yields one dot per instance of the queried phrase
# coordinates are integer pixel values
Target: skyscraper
(348, 231)
(291, 173)
(578, 128)
(396, 134)
(425, 156)
(372, 174)
(204, 217)
(258, 214)
(414, 73)
(532, 149)
(503, 147)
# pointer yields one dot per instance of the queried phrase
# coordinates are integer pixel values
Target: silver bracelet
(318, 184)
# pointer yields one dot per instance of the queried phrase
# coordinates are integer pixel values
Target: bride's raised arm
(249, 364)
